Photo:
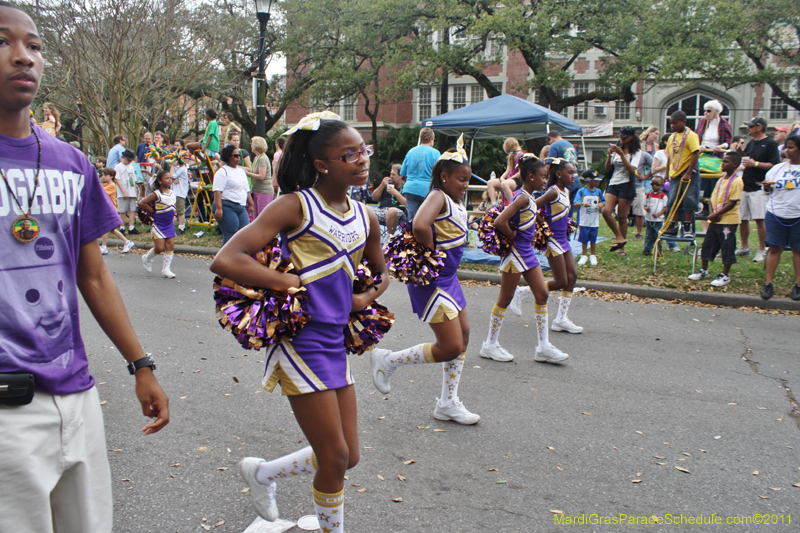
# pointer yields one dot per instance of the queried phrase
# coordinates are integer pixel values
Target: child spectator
(655, 207)
(100, 164)
(211, 137)
(180, 185)
(724, 219)
(125, 181)
(590, 200)
(107, 179)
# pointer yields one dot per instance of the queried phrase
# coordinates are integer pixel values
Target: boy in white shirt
(590, 200)
(655, 207)
(125, 180)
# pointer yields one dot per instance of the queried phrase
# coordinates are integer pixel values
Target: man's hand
(155, 403)
(749, 163)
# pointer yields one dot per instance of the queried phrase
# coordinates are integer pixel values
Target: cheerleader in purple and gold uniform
(324, 234)
(522, 261)
(559, 252)
(161, 204)
(440, 223)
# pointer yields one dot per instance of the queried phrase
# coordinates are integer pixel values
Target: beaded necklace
(25, 228)
(676, 161)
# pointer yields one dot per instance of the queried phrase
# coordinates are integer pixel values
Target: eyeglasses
(352, 157)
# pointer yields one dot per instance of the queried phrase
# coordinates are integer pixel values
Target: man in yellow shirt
(683, 151)
(724, 219)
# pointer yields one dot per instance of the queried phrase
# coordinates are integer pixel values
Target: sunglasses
(236, 155)
(352, 157)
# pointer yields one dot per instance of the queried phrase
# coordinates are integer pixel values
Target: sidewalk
(643, 291)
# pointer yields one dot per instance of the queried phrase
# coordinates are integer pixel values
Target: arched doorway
(692, 105)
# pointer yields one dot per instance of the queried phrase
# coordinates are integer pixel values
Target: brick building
(652, 106)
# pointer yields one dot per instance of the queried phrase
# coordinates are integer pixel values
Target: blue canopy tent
(502, 116)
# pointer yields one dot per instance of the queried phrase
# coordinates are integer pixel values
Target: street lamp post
(262, 12)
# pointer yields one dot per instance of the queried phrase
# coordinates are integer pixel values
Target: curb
(642, 291)
(713, 298)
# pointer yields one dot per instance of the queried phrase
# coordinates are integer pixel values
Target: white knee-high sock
(150, 254)
(540, 312)
(421, 353)
(451, 376)
(302, 462)
(495, 323)
(168, 255)
(330, 511)
(563, 304)
(523, 291)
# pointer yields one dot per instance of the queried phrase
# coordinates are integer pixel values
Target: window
(622, 110)
(693, 106)
(581, 110)
(349, 109)
(427, 99)
(459, 96)
(476, 94)
(778, 109)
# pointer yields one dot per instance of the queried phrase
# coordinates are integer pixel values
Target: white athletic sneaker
(700, 274)
(565, 324)
(582, 261)
(721, 280)
(593, 260)
(742, 251)
(549, 354)
(103, 250)
(516, 303)
(496, 352)
(167, 273)
(760, 257)
(148, 265)
(455, 412)
(381, 374)
(128, 247)
(262, 496)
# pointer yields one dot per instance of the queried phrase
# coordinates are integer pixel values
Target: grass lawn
(747, 277)
(634, 269)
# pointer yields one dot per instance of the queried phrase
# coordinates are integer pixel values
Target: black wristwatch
(141, 363)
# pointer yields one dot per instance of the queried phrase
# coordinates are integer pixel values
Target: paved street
(647, 388)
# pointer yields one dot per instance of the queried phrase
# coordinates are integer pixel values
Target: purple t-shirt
(39, 327)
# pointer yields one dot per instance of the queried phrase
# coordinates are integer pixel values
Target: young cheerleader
(440, 223)
(324, 234)
(522, 261)
(161, 204)
(559, 253)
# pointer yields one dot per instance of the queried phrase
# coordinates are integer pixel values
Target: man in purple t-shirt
(53, 459)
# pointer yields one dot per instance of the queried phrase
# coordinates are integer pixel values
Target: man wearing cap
(125, 180)
(760, 155)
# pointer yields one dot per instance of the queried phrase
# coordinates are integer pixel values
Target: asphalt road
(648, 388)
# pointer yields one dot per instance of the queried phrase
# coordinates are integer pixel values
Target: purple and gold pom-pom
(367, 327)
(571, 227)
(259, 317)
(493, 241)
(145, 217)
(411, 262)
(542, 233)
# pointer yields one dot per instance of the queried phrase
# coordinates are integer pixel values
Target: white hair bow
(460, 155)
(312, 121)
